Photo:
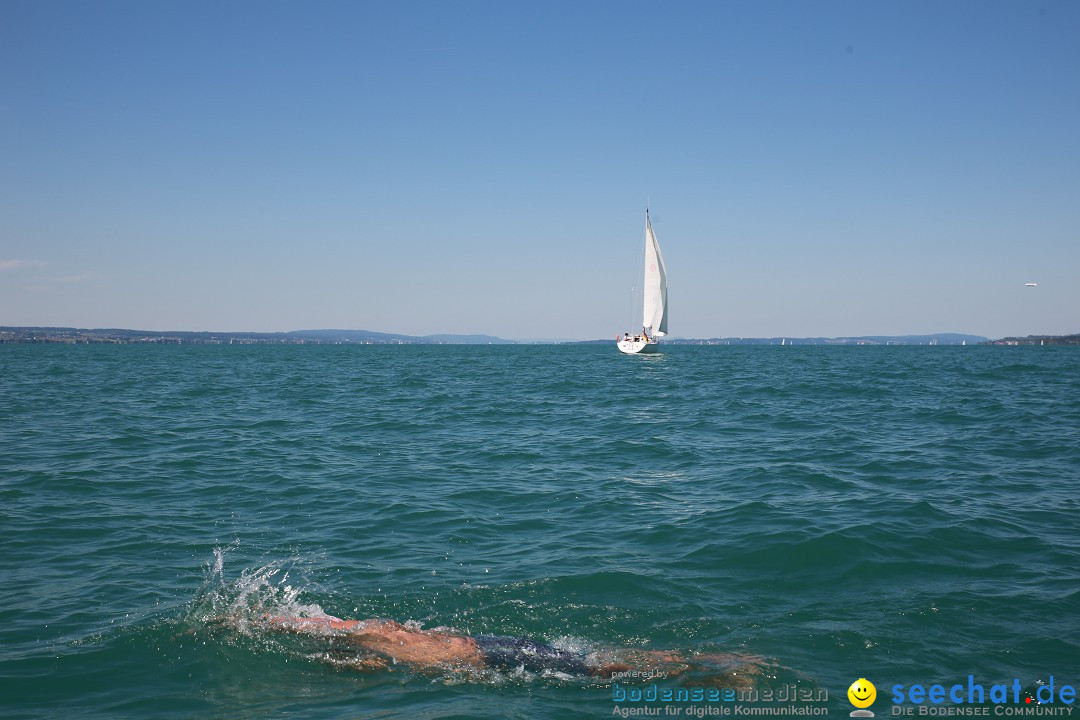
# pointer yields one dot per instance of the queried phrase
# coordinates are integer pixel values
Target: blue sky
(813, 168)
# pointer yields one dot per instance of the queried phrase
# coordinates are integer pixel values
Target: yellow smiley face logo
(862, 693)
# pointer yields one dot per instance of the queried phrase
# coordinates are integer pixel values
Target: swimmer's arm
(314, 623)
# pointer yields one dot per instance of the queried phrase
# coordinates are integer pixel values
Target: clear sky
(812, 168)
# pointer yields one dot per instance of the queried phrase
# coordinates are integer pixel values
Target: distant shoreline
(118, 336)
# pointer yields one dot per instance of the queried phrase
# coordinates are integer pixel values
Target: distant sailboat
(654, 304)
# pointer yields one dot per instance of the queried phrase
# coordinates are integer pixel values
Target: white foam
(256, 595)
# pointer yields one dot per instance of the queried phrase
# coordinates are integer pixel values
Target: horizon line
(404, 336)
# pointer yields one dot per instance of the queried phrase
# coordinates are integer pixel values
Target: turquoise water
(904, 514)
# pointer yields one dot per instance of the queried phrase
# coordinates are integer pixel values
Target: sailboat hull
(638, 347)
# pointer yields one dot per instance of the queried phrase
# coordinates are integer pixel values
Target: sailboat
(654, 303)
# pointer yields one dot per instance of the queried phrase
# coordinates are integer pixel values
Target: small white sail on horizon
(654, 311)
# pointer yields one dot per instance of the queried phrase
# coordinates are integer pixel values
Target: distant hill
(352, 336)
(196, 337)
(1073, 339)
(336, 337)
(468, 340)
(935, 339)
(377, 337)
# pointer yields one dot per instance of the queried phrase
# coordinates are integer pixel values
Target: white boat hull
(636, 347)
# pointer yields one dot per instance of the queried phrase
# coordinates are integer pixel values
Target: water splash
(245, 604)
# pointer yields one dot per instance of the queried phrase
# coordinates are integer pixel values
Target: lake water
(904, 514)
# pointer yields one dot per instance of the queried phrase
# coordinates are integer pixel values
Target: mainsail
(655, 300)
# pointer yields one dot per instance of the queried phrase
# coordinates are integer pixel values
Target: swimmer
(392, 642)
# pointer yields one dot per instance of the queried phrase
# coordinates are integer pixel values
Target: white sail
(655, 301)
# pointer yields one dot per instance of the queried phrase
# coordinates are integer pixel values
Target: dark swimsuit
(509, 653)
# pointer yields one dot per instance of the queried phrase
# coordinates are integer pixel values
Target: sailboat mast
(645, 259)
(637, 299)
